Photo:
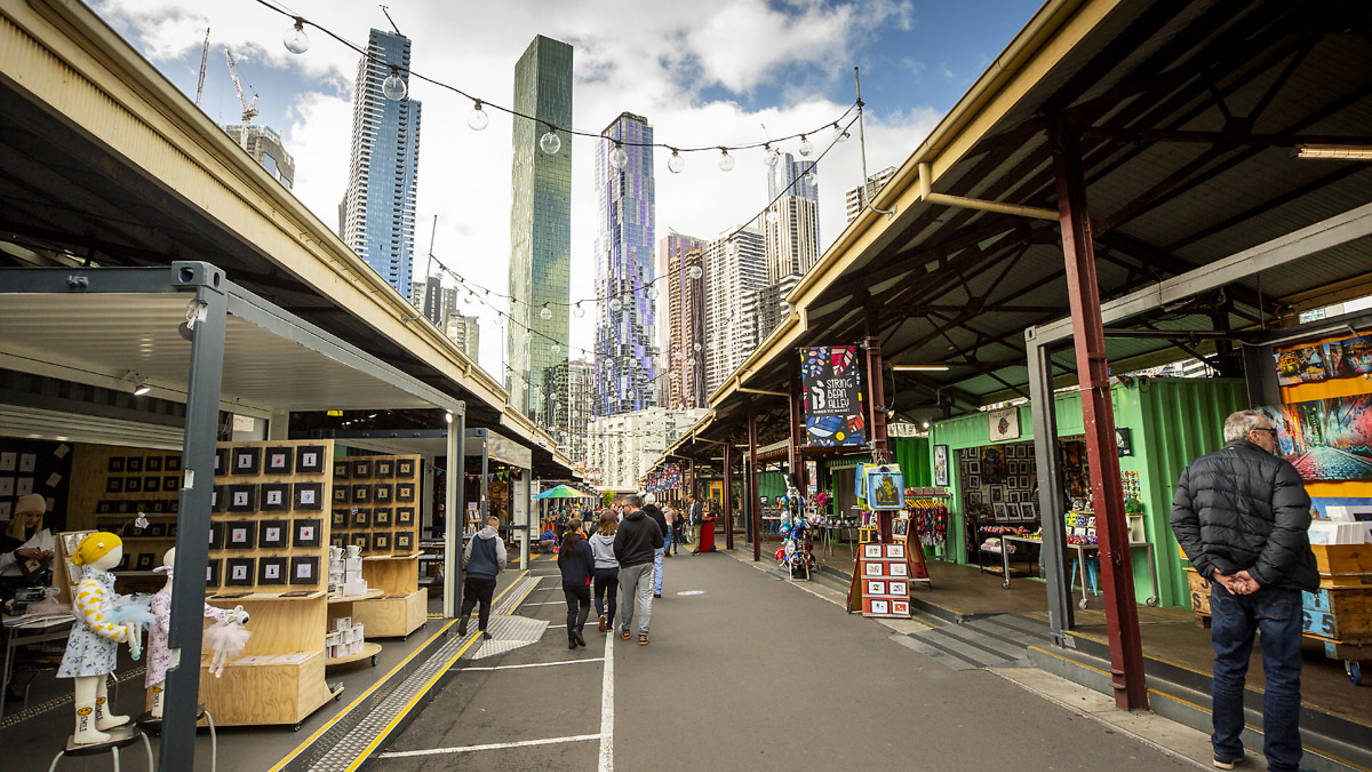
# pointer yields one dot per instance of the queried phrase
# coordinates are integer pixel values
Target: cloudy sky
(706, 72)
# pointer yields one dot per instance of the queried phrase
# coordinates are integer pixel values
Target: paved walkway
(751, 673)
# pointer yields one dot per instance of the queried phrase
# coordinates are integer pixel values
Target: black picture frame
(383, 468)
(219, 497)
(342, 470)
(404, 517)
(339, 519)
(123, 507)
(171, 530)
(115, 465)
(273, 534)
(212, 572)
(171, 463)
(240, 572)
(404, 541)
(240, 534)
(381, 541)
(404, 493)
(381, 517)
(308, 532)
(997, 494)
(309, 459)
(383, 493)
(305, 570)
(171, 482)
(276, 497)
(272, 570)
(104, 507)
(278, 460)
(342, 494)
(361, 517)
(361, 539)
(133, 464)
(157, 506)
(152, 484)
(338, 540)
(362, 494)
(404, 468)
(362, 468)
(156, 529)
(152, 464)
(144, 562)
(133, 484)
(114, 485)
(242, 497)
(221, 461)
(246, 462)
(309, 496)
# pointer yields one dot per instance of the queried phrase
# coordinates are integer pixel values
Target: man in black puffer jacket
(1242, 515)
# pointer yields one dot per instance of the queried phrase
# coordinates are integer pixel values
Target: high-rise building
(853, 202)
(734, 265)
(765, 308)
(434, 301)
(465, 333)
(540, 222)
(791, 225)
(682, 260)
(570, 387)
(626, 349)
(623, 447)
(377, 213)
(265, 146)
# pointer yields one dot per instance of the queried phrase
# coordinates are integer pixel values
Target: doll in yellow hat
(95, 637)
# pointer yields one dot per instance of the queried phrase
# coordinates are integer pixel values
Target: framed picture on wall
(381, 517)
(340, 518)
(404, 540)
(152, 464)
(247, 461)
(362, 468)
(404, 468)
(941, 466)
(271, 571)
(307, 533)
(998, 509)
(381, 542)
(997, 494)
(276, 497)
(271, 533)
(404, 516)
(309, 496)
(305, 570)
(134, 464)
(974, 467)
(115, 464)
(384, 468)
(342, 470)
(972, 482)
(309, 459)
(239, 571)
(279, 460)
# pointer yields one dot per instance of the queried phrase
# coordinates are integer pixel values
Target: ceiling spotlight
(138, 383)
(295, 39)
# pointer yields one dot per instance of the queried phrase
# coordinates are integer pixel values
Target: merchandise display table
(1005, 555)
(403, 605)
(1084, 552)
(22, 631)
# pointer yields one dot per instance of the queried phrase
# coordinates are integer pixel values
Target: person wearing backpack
(483, 558)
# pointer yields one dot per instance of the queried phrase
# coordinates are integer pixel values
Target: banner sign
(835, 413)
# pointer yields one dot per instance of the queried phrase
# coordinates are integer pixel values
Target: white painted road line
(490, 747)
(607, 708)
(532, 664)
(548, 603)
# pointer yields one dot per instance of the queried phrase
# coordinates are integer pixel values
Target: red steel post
(728, 494)
(755, 515)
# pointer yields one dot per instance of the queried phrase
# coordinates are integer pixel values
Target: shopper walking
(651, 509)
(638, 539)
(696, 512)
(1241, 515)
(483, 558)
(577, 564)
(669, 516)
(606, 569)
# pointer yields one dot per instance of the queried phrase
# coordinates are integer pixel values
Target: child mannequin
(94, 640)
(159, 655)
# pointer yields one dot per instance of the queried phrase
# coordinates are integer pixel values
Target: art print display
(404, 492)
(307, 533)
(304, 570)
(247, 461)
(404, 516)
(242, 498)
(152, 464)
(381, 542)
(309, 496)
(384, 468)
(271, 571)
(238, 572)
(342, 470)
(271, 534)
(404, 541)
(1322, 361)
(404, 467)
(885, 487)
(276, 497)
(279, 460)
(941, 465)
(309, 459)
(339, 518)
(1004, 424)
(1327, 439)
(381, 517)
(362, 468)
(835, 413)
(133, 464)
(240, 534)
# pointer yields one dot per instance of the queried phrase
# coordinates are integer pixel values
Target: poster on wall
(834, 409)
(941, 465)
(1312, 364)
(1326, 439)
(885, 486)
(1004, 424)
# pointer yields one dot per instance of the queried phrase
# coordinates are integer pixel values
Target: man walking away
(651, 509)
(636, 542)
(576, 563)
(1242, 514)
(484, 557)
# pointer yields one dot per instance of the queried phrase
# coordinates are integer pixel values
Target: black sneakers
(1228, 763)
(462, 626)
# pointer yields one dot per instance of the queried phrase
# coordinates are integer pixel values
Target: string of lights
(395, 88)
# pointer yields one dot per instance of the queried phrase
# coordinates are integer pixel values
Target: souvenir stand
(884, 571)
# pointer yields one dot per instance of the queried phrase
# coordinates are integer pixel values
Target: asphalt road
(749, 674)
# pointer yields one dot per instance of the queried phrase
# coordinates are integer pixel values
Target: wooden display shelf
(368, 650)
(368, 595)
(265, 692)
(264, 596)
(393, 616)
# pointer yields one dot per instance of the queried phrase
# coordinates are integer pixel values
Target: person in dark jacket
(484, 557)
(636, 541)
(651, 509)
(577, 565)
(1241, 514)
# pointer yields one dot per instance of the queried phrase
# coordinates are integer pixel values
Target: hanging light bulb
(295, 39)
(696, 346)
(394, 87)
(806, 146)
(619, 157)
(695, 272)
(840, 134)
(545, 313)
(478, 119)
(616, 305)
(676, 163)
(773, 216)
(556, 348)
(550, 143)
(652, 292)
(578, 311)
(773, 156)
(726, 161)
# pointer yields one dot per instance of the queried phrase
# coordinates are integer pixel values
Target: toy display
(226, 639)
(159, 656)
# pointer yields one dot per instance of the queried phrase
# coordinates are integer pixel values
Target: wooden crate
(1339, 614)
(394, 616)
(1343, 559)
(1200, 592)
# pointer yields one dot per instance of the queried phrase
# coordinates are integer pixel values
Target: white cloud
(654, 59)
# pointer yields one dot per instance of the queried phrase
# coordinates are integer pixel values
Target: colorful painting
(1311, 364)
(1353, 357)
(834, 409)
(1329, 439)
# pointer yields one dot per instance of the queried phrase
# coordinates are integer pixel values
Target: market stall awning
(563, 492)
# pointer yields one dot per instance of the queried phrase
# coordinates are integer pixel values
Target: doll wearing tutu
(227, 639)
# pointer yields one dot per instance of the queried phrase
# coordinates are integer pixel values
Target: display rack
(269, 553)
(111, 485)
(345, 606)
(381, 495)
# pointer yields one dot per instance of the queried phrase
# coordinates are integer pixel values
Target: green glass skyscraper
(540, 225)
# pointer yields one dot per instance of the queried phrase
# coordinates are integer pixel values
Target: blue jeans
(667, 540)
(1276, 613)
(657, 572)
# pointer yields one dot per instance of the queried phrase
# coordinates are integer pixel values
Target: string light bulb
(652, 292)
(616, 305)
(676, 163)
(478, 119)
(556, 348)
(550, 143)
(545, 313)
(696, 346)
(394, 87)
(773, 155)
(773, 216)
(840, 134)
(619, 157)
(295, 39)
(726, 161)
(695, 272)
(806, 146)
(577, 310)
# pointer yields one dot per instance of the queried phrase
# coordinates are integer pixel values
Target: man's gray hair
(633, 500)
(1238, 425)
(649, 498)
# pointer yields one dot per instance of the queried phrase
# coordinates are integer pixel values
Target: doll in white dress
(159, 655)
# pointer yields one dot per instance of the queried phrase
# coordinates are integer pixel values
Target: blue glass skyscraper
(376, 217)
(626, 356)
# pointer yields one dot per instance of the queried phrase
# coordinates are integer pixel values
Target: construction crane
(249, 108)
(204, 60)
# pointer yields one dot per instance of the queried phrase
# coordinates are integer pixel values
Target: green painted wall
(771, 485)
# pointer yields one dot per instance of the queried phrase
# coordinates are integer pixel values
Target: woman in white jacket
(606, 569)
